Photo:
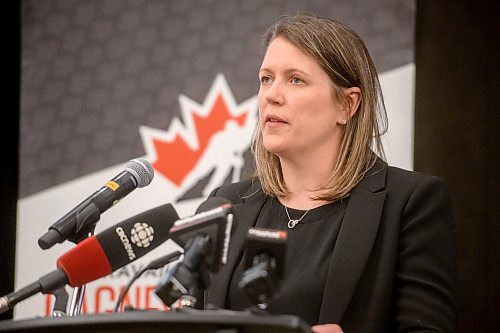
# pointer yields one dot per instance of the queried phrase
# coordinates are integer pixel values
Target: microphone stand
(60, 302)
(75, 306)
(86, 220)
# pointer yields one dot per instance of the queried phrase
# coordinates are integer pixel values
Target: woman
(370, 247)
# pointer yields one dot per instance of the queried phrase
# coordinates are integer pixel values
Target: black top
(308, 254)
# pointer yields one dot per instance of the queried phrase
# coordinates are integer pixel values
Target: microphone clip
(86, 220)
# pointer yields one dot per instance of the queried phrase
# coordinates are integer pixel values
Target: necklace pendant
(292, 223)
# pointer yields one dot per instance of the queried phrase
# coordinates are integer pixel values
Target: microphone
(264, 265)
(100, 255)
(214, 217)
(81, 220)
(205, 238)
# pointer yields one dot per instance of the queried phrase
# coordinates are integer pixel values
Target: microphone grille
(142, 170)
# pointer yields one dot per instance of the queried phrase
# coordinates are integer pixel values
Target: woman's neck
(304, 177)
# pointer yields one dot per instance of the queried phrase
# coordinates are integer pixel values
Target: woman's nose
(274, 93)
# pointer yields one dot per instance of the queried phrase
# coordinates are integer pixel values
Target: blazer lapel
(245, 216)
(354, 243)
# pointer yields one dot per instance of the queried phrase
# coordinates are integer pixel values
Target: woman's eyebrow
(287, 71)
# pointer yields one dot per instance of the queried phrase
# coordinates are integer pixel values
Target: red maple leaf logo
(176, 152)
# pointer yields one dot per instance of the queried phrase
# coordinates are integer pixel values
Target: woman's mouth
(273, 120)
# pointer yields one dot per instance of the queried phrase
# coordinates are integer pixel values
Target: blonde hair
(344, 57)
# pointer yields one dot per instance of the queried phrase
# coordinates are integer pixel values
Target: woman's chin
(274, 148)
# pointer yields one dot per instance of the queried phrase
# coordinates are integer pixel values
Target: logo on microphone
(126, 243)
(142, 234)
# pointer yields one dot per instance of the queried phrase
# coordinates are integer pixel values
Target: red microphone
(100, 255)
(84, 263)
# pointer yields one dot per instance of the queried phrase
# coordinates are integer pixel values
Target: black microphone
(205, 238)
(264, 265)
(100, 255)
(214, 218)
(81, 220)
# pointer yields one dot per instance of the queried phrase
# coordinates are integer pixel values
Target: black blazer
(393, 265)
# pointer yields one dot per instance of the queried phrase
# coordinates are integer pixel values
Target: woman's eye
(265, 79)
(296, 80)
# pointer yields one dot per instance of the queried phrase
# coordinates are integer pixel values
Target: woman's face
(298, 111)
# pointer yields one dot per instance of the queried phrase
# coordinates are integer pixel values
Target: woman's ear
(353, 99)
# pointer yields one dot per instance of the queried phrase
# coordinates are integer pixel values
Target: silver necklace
(291, 222)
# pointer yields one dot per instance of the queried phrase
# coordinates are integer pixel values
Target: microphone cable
(155, 264)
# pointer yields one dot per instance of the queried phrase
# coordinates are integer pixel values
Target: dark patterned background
(93, 71)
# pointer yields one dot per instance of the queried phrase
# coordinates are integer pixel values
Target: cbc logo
(142, 234)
